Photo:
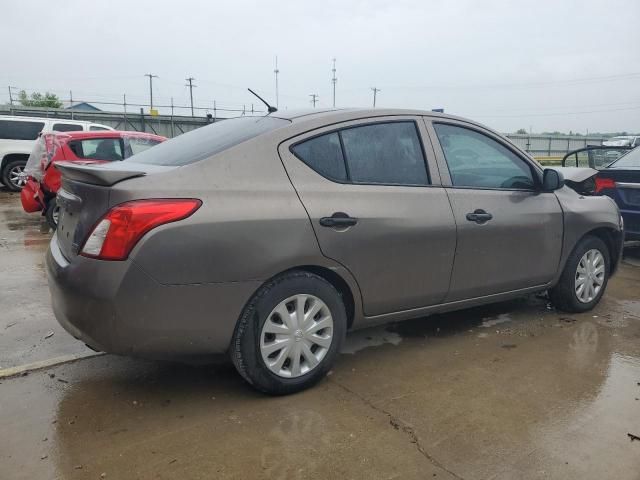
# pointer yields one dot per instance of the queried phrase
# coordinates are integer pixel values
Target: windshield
(630, 160)
(207, 141)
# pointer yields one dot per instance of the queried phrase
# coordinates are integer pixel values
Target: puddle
(370, 337)
(493, 321)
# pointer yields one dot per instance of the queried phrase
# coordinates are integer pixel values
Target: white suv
(17, 138)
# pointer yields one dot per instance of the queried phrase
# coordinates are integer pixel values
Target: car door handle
(479, 216)
(339, 220)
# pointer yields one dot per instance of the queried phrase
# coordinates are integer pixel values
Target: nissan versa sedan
(268, 238)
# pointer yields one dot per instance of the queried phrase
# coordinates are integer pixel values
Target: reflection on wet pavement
(25, 309)
(512, 390)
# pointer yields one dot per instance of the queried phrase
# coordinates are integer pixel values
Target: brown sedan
(270, 237)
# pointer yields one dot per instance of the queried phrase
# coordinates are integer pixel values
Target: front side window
(97, 128)
(107, 149)
(17, 130)
(478, 161)
(384, 153)
(66, 127)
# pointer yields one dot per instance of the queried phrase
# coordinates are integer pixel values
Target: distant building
(83, 107)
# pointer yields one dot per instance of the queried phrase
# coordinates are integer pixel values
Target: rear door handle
(479, 216)
(338, 220)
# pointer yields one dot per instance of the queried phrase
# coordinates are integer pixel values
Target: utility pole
(314, 98)
(71, 103)
(11, 95)
(151, 77)
(191, 85)
(276, 72)
(334, 81)
(375, 93)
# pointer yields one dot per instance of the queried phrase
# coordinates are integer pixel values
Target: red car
(43, 182)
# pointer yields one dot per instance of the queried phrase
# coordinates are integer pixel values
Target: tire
(52, 213)
(564, 295)
(10, 170)
(250, 343)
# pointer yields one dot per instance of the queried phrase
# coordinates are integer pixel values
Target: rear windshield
(207, 141)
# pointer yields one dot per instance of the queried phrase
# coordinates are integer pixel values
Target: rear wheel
(289, 333)
(13, 176)
(584, 278)
(52, 213)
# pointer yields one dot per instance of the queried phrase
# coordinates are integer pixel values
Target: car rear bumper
(116, 307)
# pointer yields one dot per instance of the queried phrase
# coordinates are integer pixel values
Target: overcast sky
(546, 65)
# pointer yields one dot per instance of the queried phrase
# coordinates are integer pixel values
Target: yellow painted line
(51, 362)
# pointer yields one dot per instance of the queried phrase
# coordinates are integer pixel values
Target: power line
(190, 85)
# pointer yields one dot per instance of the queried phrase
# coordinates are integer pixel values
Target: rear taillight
(604, 183)
(115, 235)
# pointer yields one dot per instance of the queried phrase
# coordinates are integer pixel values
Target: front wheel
(584, 278)
(290, 333)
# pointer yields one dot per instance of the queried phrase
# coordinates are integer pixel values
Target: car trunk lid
(85, 196)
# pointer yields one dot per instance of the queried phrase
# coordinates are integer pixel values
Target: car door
(373, 195)
(509, 232)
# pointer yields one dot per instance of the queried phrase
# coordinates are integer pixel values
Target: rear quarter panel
(251, 225)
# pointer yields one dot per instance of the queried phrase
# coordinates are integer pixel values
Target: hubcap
(296, 336)
(590, 276)
(17, 176)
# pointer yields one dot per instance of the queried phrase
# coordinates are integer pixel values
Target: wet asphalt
(515, 390)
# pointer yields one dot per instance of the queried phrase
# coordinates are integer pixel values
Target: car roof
(45, 119)
(104, 134)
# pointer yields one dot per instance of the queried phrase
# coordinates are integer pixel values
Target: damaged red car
(43, 182)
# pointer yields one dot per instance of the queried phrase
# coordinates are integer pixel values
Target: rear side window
(16, 130)
(66, 127)
(96, 128)
(107, 149)
(383, 153)
(324, 155)
(206, 141)
(388, 153)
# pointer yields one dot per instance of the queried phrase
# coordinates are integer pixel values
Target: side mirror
(552, 180)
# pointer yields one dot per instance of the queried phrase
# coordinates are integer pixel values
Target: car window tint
(476, 160)
(387, 153)
(16, 130)
(107, 149)
(95, 128)
(139, 145)
(66, 127)
(324, 155)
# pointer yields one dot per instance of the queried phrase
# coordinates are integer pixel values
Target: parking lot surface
(513, 390)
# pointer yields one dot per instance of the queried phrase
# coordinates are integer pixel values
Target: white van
(17, 138)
